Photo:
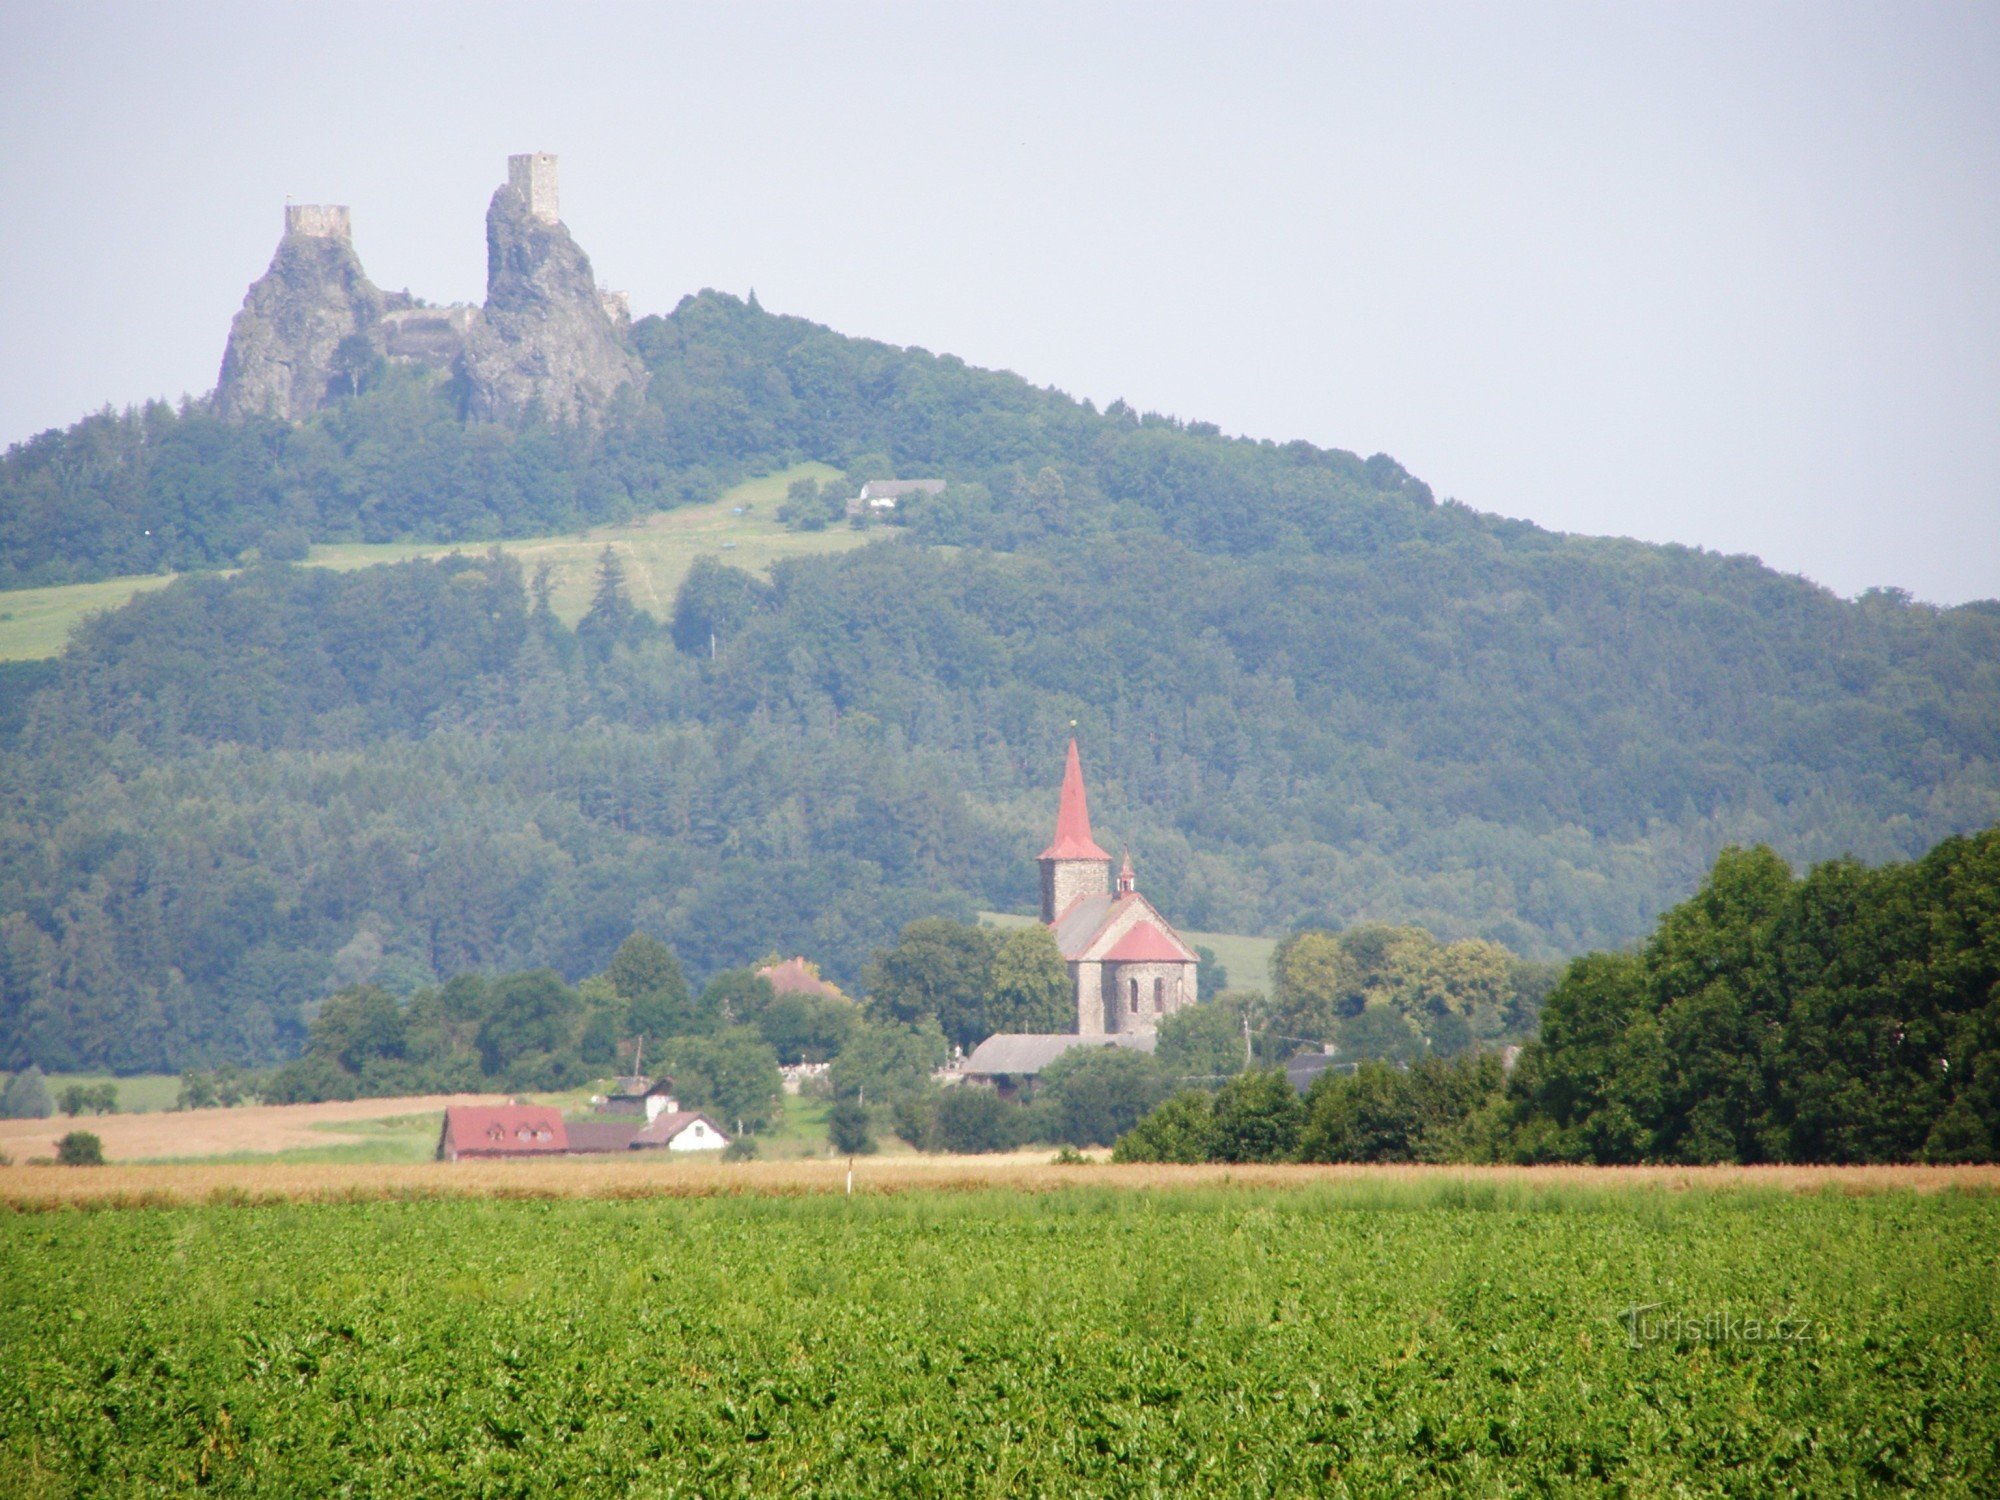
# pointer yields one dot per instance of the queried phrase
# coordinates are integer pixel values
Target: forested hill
(1307, 693)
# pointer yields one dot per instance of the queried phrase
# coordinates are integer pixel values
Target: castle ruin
(533, 175)
(325, 221)
(548, 342)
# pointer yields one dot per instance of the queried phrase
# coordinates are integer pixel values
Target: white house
(680, 1130)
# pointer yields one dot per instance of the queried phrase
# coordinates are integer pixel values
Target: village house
(676, 1130)
(473, 1131)
(1013, 1064)
(646, 1097)
(879, 495)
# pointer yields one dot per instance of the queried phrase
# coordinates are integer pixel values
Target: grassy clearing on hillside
(1186, 1343)
(1248, 959)
(35, 623)
(657, 550)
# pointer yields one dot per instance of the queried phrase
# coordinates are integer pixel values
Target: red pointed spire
(1073, 840)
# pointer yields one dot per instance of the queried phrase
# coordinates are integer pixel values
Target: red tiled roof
(1145, 944)
(505, 1129)
(1073, 840)
(795, 977)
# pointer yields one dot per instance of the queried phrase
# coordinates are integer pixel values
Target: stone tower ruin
(320, 221)
(533, 175)
(549, 342)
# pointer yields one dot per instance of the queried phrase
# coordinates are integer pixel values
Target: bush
(744, 1149)
(972, 1120)
(1182, 1130)
(850, 1129)
(80, 1149)
(1257, 1118)
(1099, 1093)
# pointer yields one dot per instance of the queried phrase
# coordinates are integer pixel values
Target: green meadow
(657, 550)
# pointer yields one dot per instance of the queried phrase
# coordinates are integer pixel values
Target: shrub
(1099, 1093)
(80, 1148)
(1182, 1129)
(972, 1120)
(850, 1129)
(1257, 1118)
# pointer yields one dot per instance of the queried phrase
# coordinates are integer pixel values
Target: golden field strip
(39, 1188)
(248, 1130)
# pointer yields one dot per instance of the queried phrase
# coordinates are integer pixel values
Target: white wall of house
(697, 1136)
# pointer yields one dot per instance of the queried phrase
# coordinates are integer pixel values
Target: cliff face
(284, 347)
(544, 338)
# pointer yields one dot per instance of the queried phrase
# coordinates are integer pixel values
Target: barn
(473, 1131)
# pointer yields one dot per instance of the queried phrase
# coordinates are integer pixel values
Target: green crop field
(657, 551)
(1361, 1339)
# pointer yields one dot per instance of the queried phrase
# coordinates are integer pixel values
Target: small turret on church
(1129, 965)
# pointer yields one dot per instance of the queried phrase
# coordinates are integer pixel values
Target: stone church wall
(1161, 989)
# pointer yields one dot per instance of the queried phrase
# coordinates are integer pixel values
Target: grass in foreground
(1088, 1342)
(657, 551)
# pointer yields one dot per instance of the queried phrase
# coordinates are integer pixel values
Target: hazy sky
(1723, 274)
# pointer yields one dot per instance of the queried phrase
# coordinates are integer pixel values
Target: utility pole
(1247, 1057)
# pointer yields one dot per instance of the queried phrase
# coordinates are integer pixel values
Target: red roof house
(482, 1130)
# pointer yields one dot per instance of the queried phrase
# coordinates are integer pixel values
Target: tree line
(1851, 1015)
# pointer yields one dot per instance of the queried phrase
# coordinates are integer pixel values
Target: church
(1129, 966)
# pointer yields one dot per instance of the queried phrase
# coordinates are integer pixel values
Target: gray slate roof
(603, 1135)
(662, 1131)
(1025, 1054)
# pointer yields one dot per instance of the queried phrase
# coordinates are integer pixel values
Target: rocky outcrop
(285, 353)
(545, 340)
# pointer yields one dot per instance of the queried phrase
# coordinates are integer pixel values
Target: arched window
(1159, 996)
(1132, 996)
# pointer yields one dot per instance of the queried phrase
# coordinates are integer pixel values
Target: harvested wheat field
(655, 1176)
(256, 1129)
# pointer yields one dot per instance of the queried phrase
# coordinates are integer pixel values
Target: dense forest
(1309, 694)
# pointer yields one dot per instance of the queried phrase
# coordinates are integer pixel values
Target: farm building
(1012, 1062)
(676, 1130)
(491, 1130)
(884, 494)
(646, 1097)
(681, 1130)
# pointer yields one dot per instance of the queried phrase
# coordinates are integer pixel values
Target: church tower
(1073, 866)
